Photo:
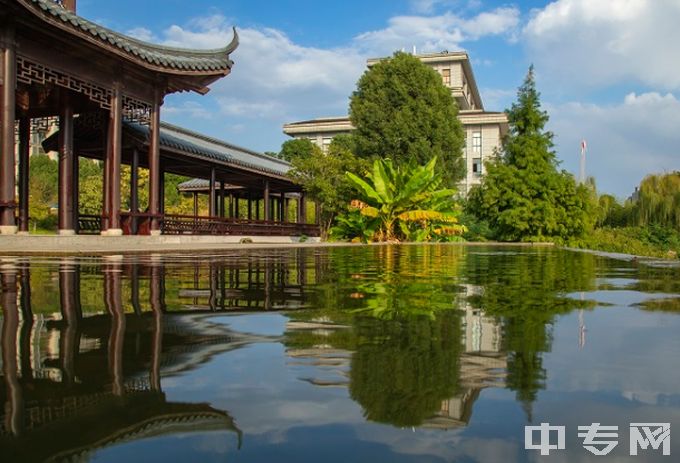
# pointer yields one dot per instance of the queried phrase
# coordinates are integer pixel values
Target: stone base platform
(96, 244)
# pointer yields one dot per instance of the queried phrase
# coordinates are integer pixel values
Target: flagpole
(582, 175)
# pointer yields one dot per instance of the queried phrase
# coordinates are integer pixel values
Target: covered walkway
(105, 91)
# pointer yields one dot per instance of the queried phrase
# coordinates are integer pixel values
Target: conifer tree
(524, 196)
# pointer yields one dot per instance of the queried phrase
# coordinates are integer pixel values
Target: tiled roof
(177, 138)
(173, 59)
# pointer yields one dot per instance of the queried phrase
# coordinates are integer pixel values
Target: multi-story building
(483, 129)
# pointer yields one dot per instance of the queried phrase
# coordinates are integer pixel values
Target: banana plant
(408, 202)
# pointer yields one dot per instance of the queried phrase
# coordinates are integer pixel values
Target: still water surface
(387, 353)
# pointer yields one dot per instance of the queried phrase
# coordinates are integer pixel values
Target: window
(446, 77)
(325, 143)
(477, 142)
(477, 166)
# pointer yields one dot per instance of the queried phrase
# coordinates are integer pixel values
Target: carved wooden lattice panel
(136, 111)
(29, 72)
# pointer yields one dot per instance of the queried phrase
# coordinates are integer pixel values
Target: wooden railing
(173, 224)
(89, 224)
(188, 224)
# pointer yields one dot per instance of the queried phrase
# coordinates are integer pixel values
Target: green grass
(651, 241)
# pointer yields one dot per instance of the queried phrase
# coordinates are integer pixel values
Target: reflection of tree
(405, 332)
(526, 290)
(403, 369)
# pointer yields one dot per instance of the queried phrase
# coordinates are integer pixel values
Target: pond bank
(94, 244)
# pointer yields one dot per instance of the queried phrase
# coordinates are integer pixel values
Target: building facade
(483, 129)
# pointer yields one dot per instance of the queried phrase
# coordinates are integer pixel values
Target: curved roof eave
(168, 60)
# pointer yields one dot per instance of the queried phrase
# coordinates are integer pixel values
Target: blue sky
(608, 70)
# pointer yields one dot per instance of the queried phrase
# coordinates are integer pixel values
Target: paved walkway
(95, 244)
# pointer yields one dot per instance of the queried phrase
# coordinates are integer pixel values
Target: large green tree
(524, 196)
(322, 175)
(659, 200)
(296, 148)
(42, 186)
(403, 111)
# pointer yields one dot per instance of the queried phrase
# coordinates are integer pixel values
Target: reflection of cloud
(610, 361)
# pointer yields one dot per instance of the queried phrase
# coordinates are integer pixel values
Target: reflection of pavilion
(73, 384)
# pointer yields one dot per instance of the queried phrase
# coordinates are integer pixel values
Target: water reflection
(55, 390)
(409, 337)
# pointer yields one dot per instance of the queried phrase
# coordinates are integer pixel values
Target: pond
(392, 353)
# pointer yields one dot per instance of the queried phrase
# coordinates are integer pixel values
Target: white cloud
(189, 108)
(141, 33)
(435, 33)
(496, 99)
(626, 141)
(430, 6)
(599, 43)
(275, 80)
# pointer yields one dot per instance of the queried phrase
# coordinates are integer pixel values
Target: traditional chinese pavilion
(106, 90)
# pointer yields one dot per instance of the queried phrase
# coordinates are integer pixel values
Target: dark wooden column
(257, 209)
(286, 208)
(134, 181)
(195, 204)
(106, 205)
(222, 205)
(250, 207)
(237, 196)
(76, 190)
(66, 168)
(134, 191)
(267, 212)
(161, 193)
(211, 198)
(24, 159)
(115, 158)
(302, 209)
(7, 114)
(281, 208)
(155, 161)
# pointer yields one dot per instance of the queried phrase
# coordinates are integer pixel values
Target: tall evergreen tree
(524, 196)
(403, 111)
